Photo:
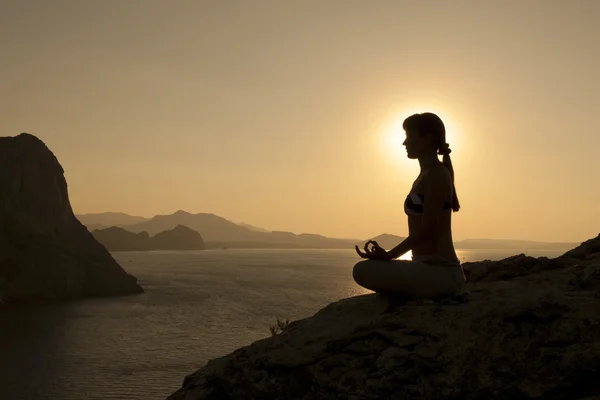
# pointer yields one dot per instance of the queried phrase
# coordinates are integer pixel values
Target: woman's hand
(374, 253)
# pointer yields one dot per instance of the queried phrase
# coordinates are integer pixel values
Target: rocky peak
(44, 251)
(33, 186)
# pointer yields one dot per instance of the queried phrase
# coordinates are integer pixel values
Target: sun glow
(393, 135)
(391, 138)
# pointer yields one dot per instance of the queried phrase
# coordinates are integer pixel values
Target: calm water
(197, 306)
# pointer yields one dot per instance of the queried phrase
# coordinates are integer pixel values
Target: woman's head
(426, 135)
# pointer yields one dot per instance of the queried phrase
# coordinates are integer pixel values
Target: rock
(45, 253)
(178, 238)
(522, 328)
(586, 251)
(506, 269)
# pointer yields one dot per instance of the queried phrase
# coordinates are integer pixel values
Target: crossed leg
(408, 279)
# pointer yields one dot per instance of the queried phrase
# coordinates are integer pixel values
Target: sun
(392, 134)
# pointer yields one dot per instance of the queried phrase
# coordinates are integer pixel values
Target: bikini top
(413, 205)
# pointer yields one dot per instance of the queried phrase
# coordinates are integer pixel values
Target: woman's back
(440, 244)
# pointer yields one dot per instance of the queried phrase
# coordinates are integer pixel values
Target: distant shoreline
(126, 231)
(541, 247)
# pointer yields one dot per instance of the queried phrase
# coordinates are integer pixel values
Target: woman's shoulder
(439, 173)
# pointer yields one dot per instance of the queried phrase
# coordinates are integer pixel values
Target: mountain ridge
(219, 230)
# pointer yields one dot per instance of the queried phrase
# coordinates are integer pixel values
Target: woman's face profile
(416, 145)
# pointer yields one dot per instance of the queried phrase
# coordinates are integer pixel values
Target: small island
(178, 238)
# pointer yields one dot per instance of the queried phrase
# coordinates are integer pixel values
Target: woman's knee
(371, 274)
(360, 272)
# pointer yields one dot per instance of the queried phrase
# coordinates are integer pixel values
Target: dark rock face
(178, 238)
(509, 268)
(45, 253)
(588, 250)
(521, 265)
(522, 328)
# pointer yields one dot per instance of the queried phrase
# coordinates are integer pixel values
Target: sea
(197, 305)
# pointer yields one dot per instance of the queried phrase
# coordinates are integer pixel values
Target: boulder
(45, 252)
(522, 328)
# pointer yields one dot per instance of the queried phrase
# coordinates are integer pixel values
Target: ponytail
(445, 151)
(430, 123)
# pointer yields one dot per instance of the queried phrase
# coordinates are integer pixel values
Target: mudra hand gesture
(376, 252)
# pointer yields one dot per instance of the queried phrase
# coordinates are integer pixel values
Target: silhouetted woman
(434, 270)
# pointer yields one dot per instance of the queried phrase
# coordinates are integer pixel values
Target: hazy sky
(285, 114)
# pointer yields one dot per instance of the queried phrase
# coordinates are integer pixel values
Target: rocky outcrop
(178, 238)
(522, 328)
(45, 253)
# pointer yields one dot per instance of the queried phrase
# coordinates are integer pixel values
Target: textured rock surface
(45, 253)
(523, 328)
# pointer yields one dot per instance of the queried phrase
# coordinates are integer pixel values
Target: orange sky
(281, 114)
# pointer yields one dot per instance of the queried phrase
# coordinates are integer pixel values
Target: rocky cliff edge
(522, 328)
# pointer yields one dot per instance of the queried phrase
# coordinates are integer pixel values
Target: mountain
(220, 232)
(118, 239)
(178, 238)
(108, 219)
(252, 227)
(210, 226)
(388, 241)
(45, 252)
